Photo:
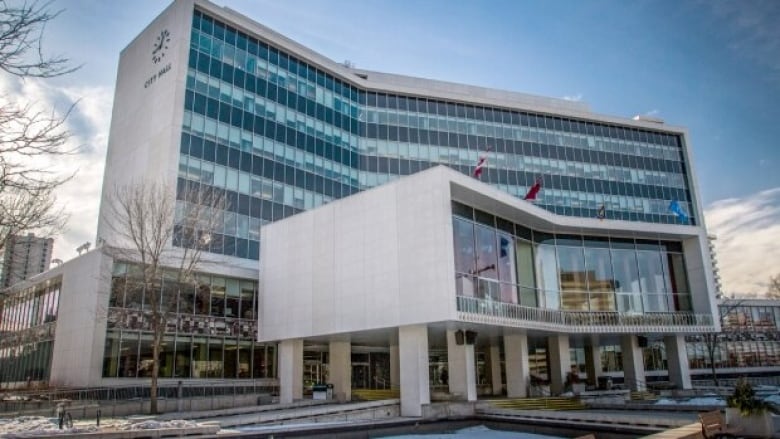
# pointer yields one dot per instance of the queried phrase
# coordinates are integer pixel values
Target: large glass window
(567, 272)
(572, 278)
(506, 267)
(209, 309)
(525, 273)
(464, 256)
(601, 281)
(629, 297)
(547, 270)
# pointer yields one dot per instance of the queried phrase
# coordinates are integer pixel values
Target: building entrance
(360, 376)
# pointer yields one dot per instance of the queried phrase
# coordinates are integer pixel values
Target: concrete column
(633, 364)
(290, 370)
(340, 369)
(413, 356)
(677, 360)
(593, 364)
(560, 361)
(516, 363)
(495, 369)
(395, 372)
(461, 369)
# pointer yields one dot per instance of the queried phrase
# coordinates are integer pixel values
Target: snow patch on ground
(34, 426)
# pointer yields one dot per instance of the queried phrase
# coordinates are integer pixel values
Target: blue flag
(676, 209)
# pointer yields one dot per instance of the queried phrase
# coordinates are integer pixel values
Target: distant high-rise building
(24, 257)
(715, 270)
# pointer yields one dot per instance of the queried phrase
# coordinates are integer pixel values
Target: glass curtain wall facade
(279, 135)
(210, 329)
(498, 260)
(27, 323)
(750, 338)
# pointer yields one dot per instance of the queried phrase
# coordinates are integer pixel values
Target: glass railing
(509, 314)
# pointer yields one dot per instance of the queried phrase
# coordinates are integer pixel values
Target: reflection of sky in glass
(477, 432)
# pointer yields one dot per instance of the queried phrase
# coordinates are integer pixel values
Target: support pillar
(516, 363)
(560, 362)
(395, 372)
(633, 363)
(462, 368)
(340, 369)
(593, 364)
(413, 356)
(290, 370)
(495, 369)
(677, 361)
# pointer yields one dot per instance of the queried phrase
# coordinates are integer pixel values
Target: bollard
(98, 417)
(61, 414)
(179, 394)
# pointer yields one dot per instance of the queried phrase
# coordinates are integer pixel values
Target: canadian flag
(531, 195)
(480, 165)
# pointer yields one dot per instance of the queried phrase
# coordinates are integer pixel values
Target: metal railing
(20, 400)
(472, 309)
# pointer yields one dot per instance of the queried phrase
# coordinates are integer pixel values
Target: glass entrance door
(360, 376)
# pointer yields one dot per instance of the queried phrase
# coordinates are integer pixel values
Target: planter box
(750, 426)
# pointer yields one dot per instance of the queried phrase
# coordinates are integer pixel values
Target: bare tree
(162, 236)
(27, 134)
(21, 41)
(713, 340)
(773, 291)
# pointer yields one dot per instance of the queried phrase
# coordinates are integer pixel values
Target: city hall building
(357, 249)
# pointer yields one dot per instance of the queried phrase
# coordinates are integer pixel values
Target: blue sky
(711, 66)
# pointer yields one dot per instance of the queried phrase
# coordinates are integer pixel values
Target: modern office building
(329, 266)
(24, 257)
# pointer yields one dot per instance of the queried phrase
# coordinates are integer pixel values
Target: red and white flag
(481, 164)
(531, 195)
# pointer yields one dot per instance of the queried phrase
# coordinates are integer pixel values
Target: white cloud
(748, 244)
(652, 113)
(89, 124)
(576, 97)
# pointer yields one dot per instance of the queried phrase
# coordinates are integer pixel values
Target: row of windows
(240, 40)
(250, 83)
(622, 148)
(540, 237)
(225, 178)
(240, 118)
(750, 317)
(200, 139)
(514, 132)
(26, 362)
(549, 151)
(214, 296)
(324, 150)
(295, 173)
(242, 61)
(128, 354)
(256, 104)
(250, 47)
(569, 272)
(261, 126)
(221, 244)
(734, 354)
(31, 307)
(657, 197)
